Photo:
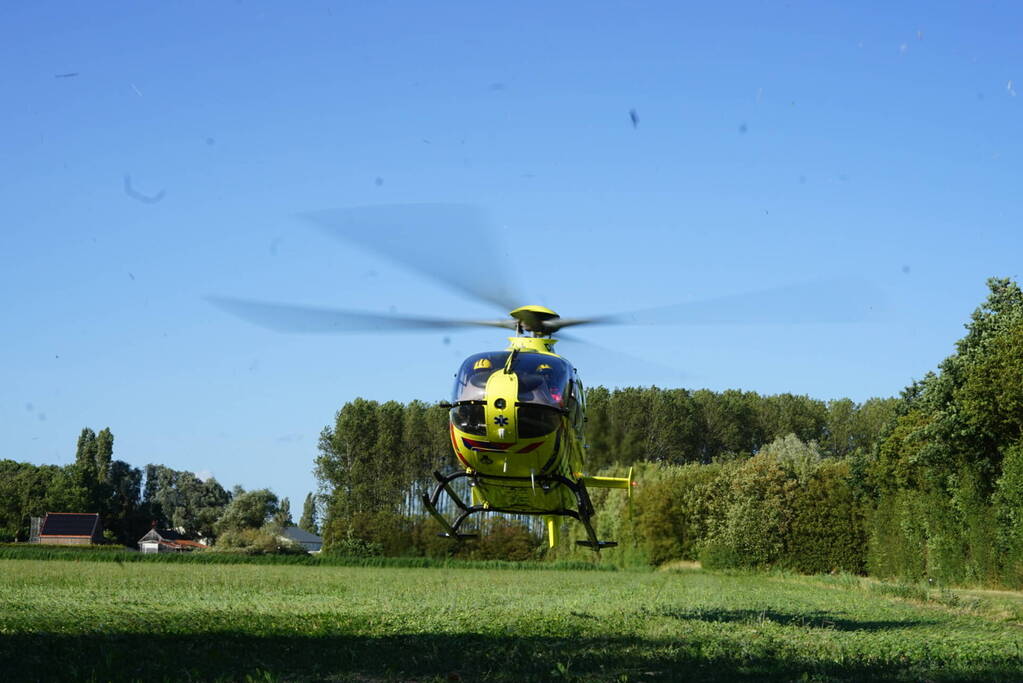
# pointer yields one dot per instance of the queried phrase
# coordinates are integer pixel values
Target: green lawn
(178, 621)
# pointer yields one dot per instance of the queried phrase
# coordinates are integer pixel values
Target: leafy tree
(598, 430)
(674, 426)
(728, 421)
(103, 449)
(308, 520)
(249, 510)
(945, 471)
(282, 517)
(785, 414)
(180, 499)
(123, 514)
(346, 464)
(85, 454)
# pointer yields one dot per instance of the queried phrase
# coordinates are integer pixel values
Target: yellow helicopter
(517, 419)
(517, 416)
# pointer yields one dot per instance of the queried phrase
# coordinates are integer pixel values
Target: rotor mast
(533, 319)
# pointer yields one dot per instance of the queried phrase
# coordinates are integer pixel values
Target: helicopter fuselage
(517, 422)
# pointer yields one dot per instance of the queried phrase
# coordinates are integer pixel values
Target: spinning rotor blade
(835, 301)
(450, 243)
(307, 319)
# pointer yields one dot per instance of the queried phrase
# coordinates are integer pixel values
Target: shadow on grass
(821, 620)
(457, 656)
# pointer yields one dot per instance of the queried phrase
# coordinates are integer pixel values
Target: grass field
(187, 621)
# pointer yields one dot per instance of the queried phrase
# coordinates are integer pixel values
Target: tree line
(377, 458)
(925, 485)
(130, 500)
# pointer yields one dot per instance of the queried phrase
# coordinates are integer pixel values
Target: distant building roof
(169, 539)
(70, 524)
(169, 535)
(300, 535)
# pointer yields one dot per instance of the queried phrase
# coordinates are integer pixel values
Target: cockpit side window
(577, 406)
(471, 380)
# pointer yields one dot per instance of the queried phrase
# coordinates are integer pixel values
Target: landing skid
(582, 496)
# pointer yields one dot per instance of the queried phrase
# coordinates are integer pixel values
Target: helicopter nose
(502, 390)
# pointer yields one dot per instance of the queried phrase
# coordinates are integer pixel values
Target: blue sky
(777, 143)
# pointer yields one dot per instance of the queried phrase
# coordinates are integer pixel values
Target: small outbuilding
(311, 542)
(167, 541)
(70, 528)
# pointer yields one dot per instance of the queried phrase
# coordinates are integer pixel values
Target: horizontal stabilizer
(626, 482)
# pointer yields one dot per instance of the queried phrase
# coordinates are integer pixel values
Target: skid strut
(583, 514)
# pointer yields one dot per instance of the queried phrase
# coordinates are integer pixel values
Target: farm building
(69, 528)
(311, 542)
(167, 541)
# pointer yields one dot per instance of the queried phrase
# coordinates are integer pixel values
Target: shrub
(256, 542)
(1008, 510)
(828, 527)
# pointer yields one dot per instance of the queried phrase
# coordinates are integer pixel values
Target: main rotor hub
(532, 318)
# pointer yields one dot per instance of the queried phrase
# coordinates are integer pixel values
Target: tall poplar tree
(308, 521)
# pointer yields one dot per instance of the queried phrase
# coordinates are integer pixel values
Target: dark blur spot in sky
(29, 407)
(275, 243)
(138, 196)
(634, 117)
(379, 181)
(42, 417)
(446, 341)
(70, 74)
(497, 86)
(742, 128)
(131, 276)
(210, 141)
(905, 269)
(802, 180)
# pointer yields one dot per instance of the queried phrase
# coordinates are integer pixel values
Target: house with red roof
(167, 541)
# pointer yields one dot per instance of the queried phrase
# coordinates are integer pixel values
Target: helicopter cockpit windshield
(543, 379)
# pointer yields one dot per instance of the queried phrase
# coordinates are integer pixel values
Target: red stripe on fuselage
(454, 445)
